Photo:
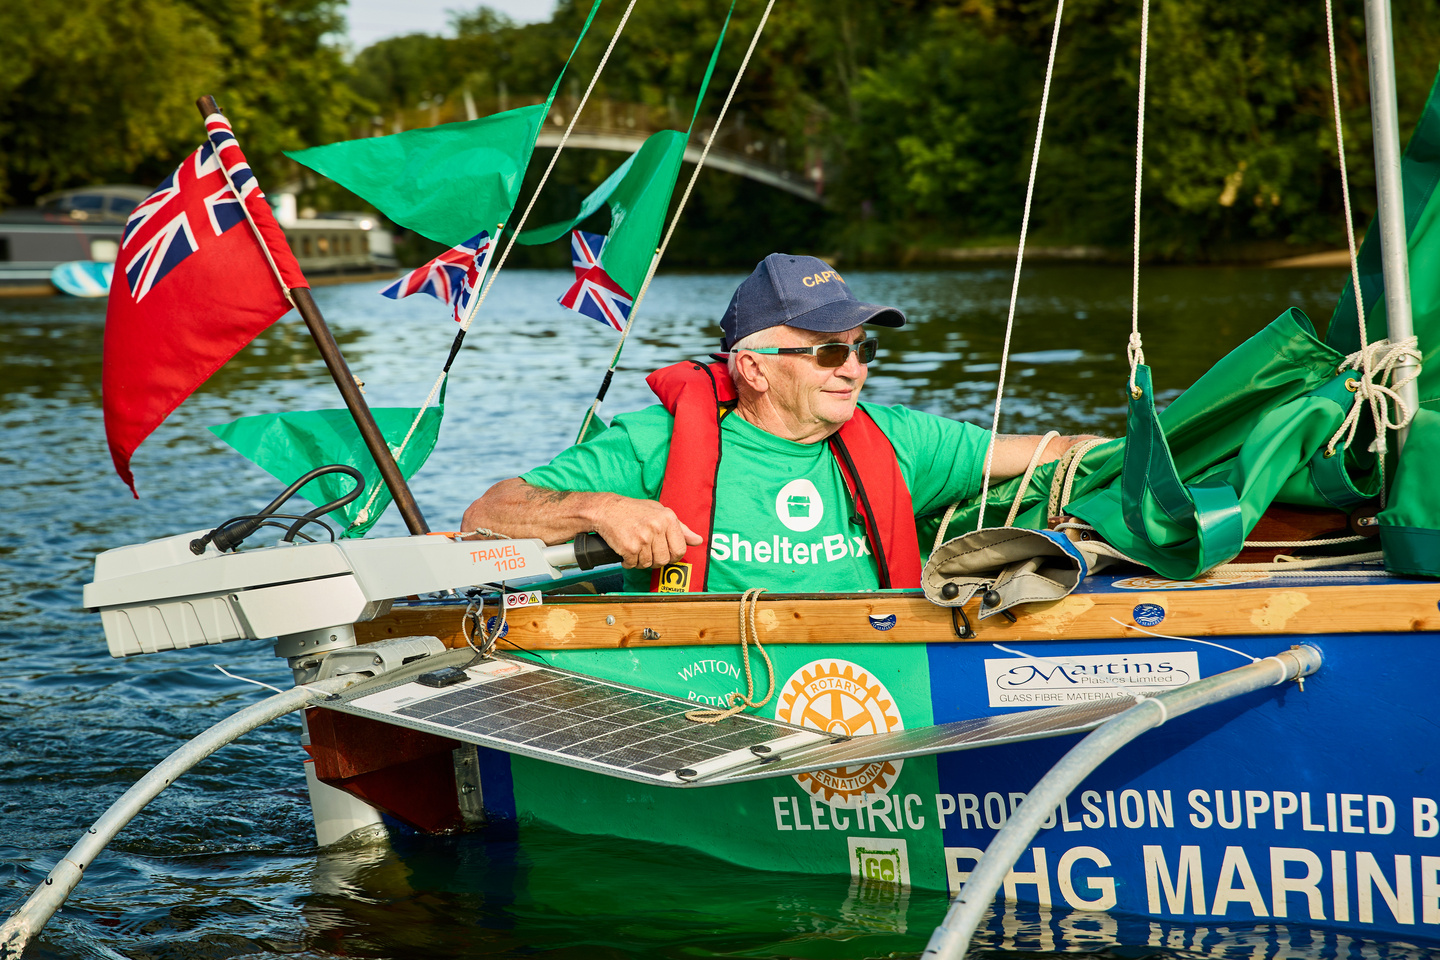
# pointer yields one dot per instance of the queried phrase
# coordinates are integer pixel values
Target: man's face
(806, 391)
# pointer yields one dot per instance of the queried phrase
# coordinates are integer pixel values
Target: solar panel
(522, 707)
(526, 708)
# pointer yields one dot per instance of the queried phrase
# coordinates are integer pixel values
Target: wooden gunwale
(580, 622)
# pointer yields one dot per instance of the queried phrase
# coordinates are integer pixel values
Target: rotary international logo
(842, 698)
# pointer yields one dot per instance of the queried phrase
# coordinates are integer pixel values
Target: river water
(223, 864)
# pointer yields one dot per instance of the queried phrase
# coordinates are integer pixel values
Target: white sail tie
(1376, 362)
(1015, 284)
(1377, 388)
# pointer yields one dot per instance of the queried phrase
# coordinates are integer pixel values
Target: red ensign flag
(192, 285)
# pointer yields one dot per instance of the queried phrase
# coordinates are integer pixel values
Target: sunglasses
(829, 354)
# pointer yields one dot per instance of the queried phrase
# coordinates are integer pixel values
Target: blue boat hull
(1319, 807)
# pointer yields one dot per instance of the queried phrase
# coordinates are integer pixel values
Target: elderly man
(766, 471)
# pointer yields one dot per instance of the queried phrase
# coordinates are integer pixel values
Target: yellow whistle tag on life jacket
(674, 578)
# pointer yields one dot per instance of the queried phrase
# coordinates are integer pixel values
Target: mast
(349, 389)
(1394, 251)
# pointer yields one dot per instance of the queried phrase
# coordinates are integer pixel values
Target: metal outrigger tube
(27, 922)
(952, 938)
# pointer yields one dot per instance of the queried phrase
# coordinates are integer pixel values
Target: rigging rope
(749, 600)
(1029, 472)
(1015, 284)
(1378, 359)
(364, 513)
(1134, 350)
(1344, 174)
(1065, 472)
(1298, 566)
(591, 413)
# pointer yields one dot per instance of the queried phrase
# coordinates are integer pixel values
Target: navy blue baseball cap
(803, 292)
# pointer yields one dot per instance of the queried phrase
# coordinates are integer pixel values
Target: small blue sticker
(883, 623)
(1148, 614)
(494, 621)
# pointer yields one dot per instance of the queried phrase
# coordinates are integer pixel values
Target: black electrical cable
(326, 508)
(228, 537)
(269, 520)
(303, 536)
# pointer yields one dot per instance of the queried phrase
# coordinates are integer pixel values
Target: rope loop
(738, 702)
(1377, 388)
(1135, 348)
(1066, 470)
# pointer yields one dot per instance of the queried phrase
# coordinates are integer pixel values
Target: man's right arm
(645, 533)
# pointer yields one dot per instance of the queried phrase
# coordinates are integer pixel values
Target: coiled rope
(1066, 470)
(1378, 389)
(749, 600)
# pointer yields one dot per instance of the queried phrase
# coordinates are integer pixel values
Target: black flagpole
(350, 390)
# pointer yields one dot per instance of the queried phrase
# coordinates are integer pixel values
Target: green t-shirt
(783, 517)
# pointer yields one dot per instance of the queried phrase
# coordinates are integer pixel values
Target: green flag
(637, 209)
(639, 195)
(597, 198)
(446, 182)
(288, 445)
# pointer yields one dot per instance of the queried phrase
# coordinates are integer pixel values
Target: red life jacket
(694, 394)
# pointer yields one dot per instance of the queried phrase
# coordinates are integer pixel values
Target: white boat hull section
(339, 815)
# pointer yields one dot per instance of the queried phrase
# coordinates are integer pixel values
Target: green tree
(81, 98)
(97, 91)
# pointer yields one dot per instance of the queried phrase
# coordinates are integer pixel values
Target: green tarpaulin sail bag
(1257, 427)
(1245, 434)
(1410, 523)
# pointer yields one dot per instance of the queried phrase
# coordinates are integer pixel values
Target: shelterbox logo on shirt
(799, 508)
